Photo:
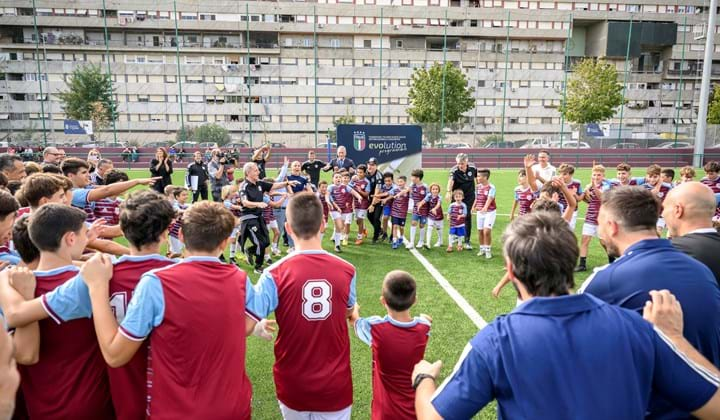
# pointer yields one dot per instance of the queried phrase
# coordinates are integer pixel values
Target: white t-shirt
(545, 173)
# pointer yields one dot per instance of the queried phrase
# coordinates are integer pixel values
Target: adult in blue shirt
(626, 226)
(562, 356)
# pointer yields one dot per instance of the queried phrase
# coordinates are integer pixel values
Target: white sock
(428, 236)
(439, 235)
(422, 234)
(451, 239)
(337, 237)
(413, 229)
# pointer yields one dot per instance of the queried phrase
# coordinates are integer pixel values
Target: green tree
(212, 133)
(426, 98)
(345, 119)
(593, 92)
(713, 116)
(89, 96)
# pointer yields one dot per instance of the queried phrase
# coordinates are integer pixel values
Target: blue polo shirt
(570, 357)
(654, 264)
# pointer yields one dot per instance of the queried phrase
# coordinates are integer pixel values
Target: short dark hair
(544, 151)
(305, 214)
(484, 172)
(73, 165)
(542, 250)
(38, 186)
(654, 169)
(178, 191)
(566, 168)
(3, 180)
(362, 167)
(206, 225)
(634, 208)
(7, 162)
(522, 172)
(543, 204)
(104, 162)
(13, 186)
(51, 222)
(144, 217)
(22, 242)
(549, 188)
(65, 181)
(669, 172)
(51, 168)
(623, 167)
(712, 166)
(115, 176)
(8, 205)
(388, 175)
(399, 290)
(403, 177)
(418, 173)
(323, 182)
(32, 168)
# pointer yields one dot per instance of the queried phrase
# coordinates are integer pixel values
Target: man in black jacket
(375, 178)
(688, 210)
(197, 177)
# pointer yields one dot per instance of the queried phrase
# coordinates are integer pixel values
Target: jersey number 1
(316, 300)
(118, 304)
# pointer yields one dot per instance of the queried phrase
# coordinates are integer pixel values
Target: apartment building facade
(284, 71)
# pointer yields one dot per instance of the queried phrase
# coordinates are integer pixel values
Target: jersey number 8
(316, 300)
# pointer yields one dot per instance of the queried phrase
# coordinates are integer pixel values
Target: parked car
(208, 145)
(673, 145)
(570, 144)
(624, 146)
(156, 144)
(236, 145)
(536, 144)
(456, 146)
(499, 145)
(277, 145)
(325, 145)
(185, 144)
(118, 145)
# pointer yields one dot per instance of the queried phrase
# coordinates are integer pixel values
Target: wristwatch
(420, 377)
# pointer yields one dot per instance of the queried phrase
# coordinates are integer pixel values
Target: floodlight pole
(705, 86)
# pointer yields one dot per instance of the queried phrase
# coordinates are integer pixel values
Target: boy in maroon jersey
(712, 180)
(593, 196)
(187, 309)
(525, 193)
(312, 304)
(362, 186)
(145, 218)
(398, 342)
(70, 378)
(109, 208)
(400, 196)
(653, 181)
(322, 195)
(435, 215)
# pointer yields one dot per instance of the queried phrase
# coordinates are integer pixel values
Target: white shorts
(272, 224)
(347, 218)
(176, 245)
(435, 223)
(590, 230)
(660, 223)
(573, 221)
(290, 414)
(334, 215)
(360, 213)
(486, 220)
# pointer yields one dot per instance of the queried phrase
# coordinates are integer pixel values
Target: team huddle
(164, 335)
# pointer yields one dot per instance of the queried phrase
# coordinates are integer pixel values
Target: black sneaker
(383, 237)
(222, 258)
(337, 249)
(580, 268)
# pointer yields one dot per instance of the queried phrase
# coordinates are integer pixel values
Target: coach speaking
(462, 177)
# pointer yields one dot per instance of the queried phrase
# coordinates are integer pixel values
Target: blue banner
(77, 127)
(397, 148)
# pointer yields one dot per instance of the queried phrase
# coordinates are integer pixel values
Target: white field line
(450, 290)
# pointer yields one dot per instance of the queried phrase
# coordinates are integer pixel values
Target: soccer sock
(451, 239)
(337, 237)
(428, 236)
(413, 230)
(439, 234)
(422, 234)
(583, 261)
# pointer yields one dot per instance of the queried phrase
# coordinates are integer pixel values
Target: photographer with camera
(218, 174)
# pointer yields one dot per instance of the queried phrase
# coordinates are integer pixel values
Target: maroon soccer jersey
(268, 214)
(482, 195)
(400, 203)
(593, 209)
(128, 384)
(325, 206)
(575, 187)
(396, 348)
(419, 193)
(197, 364)
(70, 379)
(714, 184)
(108, 209)
(525, 198)
(431, 205)
(457, 213)
(361, 185)
(310, 293)
(342, 197)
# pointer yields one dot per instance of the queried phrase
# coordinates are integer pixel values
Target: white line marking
(449, 289)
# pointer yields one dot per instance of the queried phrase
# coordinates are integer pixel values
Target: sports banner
(397, 148)
(77, 127)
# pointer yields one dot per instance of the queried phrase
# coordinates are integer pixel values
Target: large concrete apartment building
(285, 70)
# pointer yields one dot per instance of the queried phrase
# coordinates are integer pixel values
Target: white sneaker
(276, 251)
(480, 253)
(488, 255)
(291, 249)
(420, 244)
(438, 244)
(468, 246)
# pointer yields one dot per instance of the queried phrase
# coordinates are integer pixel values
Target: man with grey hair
(252, 226)
(103, 167)
(556, 343)
(688, 210)
(341, 162)
(52, 156)
(218, 174)
(462, 177)
(12, 167)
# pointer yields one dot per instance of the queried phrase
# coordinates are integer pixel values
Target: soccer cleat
(276, 251)
(480, 253)
(409, 246)
(488, 255)
(420, 244)
(580, 268)
(344, 242)
(395, 244)
(427, 246)
(468, 246)
(337, 249)
(438, 244)
(449, 249)
(358, 241)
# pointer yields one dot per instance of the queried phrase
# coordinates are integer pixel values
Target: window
(367, 43)
(334, 43)
(143, 98)
(481, 83)
(398, 43)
